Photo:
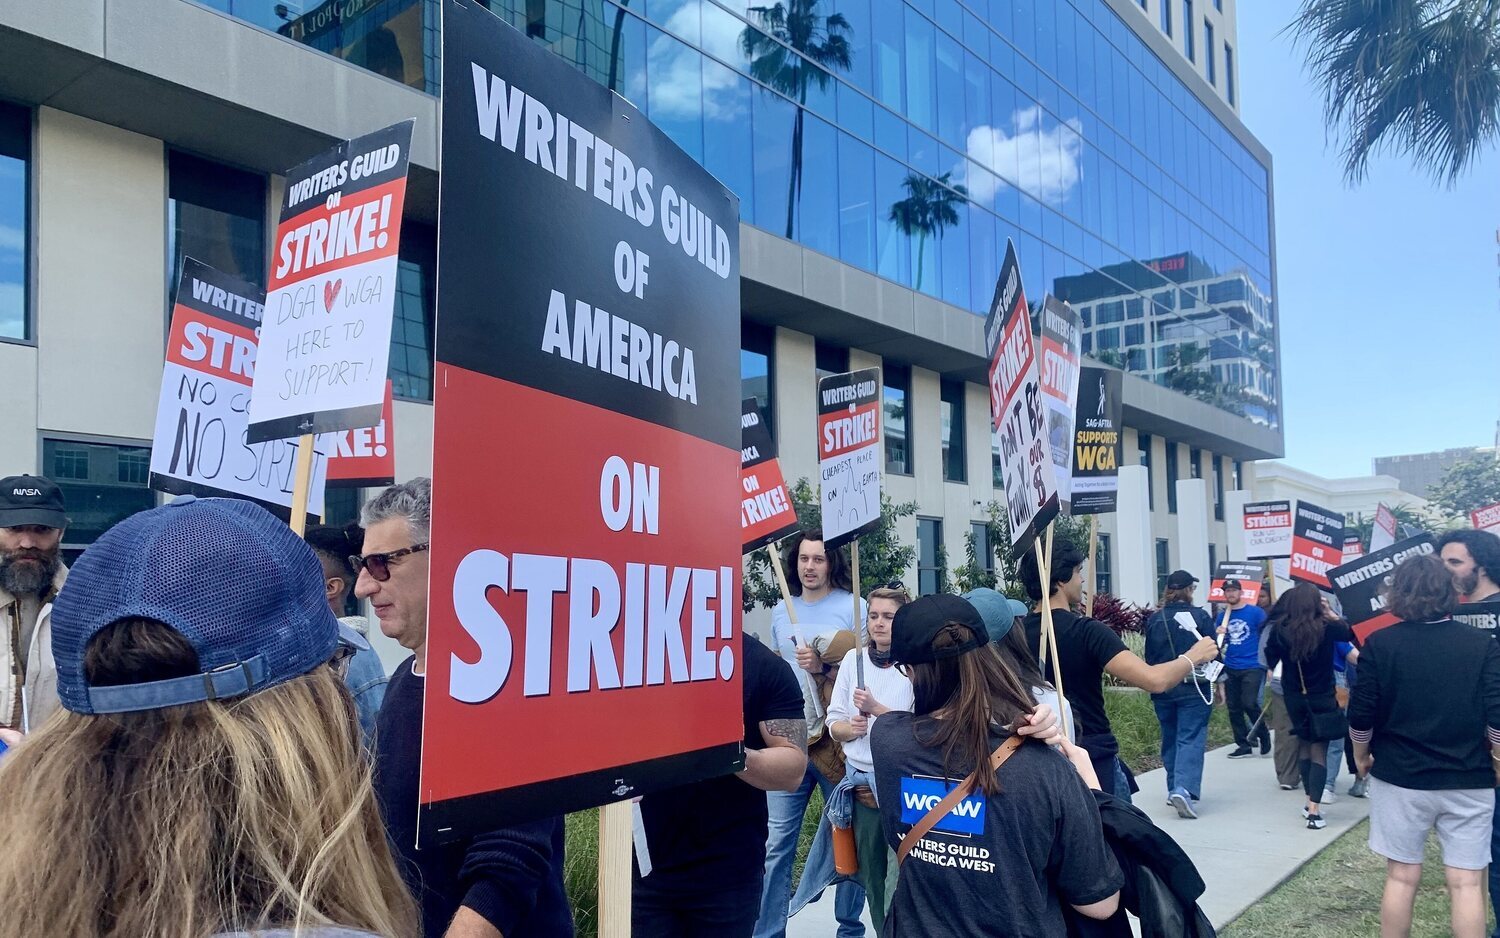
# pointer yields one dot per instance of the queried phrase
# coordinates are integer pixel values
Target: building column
(1192, 529)
(1234, 522)
(1134, 580)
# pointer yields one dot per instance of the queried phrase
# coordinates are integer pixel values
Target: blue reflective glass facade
(911, 139)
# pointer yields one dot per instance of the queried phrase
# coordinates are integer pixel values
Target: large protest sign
(326, 341)
(1487, 519)
(1268, 530)
(1016, 410)
(1062, 337)
(1384, 529)
(1317, 543)
(200, 445)
(1361, 584)
(1249, 573)
(586, 523)
(766, 510)
(366, 456)
(1096, 441)
(849, 454)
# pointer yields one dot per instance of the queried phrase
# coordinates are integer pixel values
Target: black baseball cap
(28, 499)
(918, 622)
(1232, 584)
(1180, 580)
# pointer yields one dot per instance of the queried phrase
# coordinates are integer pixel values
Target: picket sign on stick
(616, 841)
(859, 632)
(302, 484)
(1044, 567)
(1049, 637)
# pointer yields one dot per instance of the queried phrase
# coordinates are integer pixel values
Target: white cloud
(1046, 159)
(12, 238)
(12, 309)
(678, 72)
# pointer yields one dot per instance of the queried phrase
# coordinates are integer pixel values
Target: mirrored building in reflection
(884, 153)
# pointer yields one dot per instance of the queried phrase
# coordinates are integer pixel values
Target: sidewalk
(1248, 838)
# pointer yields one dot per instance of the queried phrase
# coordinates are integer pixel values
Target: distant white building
(1360, 495)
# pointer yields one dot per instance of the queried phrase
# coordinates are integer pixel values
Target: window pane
(929, 556)
(897, 419)
(756, 344)
(15, 234)
(674, 80)
(102, 484)
(411, 365)
(856, 203)
(772, 140)
(217, 215)
(818, 189)
(388, 38)
(727, 138)
(955, 463)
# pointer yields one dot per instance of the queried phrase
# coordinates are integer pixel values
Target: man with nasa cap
(32, 520)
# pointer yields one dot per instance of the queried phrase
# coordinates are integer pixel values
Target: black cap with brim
(919, 622)
(1231, 584)
(1180, 580)
(20, 517)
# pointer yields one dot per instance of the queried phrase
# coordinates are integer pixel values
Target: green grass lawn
(1337, 895)
(1130, 713)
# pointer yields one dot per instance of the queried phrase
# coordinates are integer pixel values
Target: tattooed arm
(781, 765)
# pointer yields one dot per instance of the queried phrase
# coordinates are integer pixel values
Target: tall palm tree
(928, 208)
(1420, 78)
(796, 26)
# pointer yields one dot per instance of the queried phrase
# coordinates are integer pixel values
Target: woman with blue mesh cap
(206, 776)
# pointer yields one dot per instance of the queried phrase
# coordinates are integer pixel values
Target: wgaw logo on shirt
(920, 795)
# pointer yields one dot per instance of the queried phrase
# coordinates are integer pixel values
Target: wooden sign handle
(302, 484)
(616, 841)
(859, 627)
(1049, 635)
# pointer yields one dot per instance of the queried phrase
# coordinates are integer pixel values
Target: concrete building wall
(1222, 15)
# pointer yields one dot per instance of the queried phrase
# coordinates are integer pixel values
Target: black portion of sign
(551, 314)
(837, 392)
(1101, 412)
(1360, 584)
(204, 289)
(324, 421)
(756, 445)
(1008, 292)
(456, 818)
(343, 155)
(1267, 508)
(1318, 525)
(1242, 570)
(1483, 616)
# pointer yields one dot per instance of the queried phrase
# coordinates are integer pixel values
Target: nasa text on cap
(28, 499)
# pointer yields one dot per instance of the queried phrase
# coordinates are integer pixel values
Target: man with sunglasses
(505, 882)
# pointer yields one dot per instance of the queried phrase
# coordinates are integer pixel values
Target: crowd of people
(196, 740)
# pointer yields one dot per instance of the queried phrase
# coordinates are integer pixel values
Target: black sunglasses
(379, 565)
(895, 585)
(342, 654)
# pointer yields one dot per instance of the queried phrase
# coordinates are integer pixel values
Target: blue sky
(1390, 308)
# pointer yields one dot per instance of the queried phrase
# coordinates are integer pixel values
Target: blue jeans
(1184, 737)
(787, 810)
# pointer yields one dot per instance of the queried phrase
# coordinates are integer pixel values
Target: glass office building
(911, 139)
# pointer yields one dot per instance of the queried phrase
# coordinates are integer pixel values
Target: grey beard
(27, 579)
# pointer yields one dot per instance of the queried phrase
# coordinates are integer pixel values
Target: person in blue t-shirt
(1243, 674)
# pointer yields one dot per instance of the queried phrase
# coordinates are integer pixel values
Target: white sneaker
(1329, 797)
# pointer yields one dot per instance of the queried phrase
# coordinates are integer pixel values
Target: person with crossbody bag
(994, 832)
(1303, 634)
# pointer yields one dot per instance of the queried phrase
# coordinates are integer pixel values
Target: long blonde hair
(190, 820)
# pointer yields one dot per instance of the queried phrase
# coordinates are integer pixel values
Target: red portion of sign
(1365, 629)
(766, 506)
(365, 228)
(1249, 591)
(1311, 561)
(1268, 521)
(211, 345)
(847, 430)
(1012, 361)
(1059, 370)
(547, 529)
(366, 456)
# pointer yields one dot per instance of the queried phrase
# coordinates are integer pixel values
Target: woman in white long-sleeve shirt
(851, 714)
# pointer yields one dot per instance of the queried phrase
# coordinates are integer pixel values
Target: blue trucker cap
(238, 584)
